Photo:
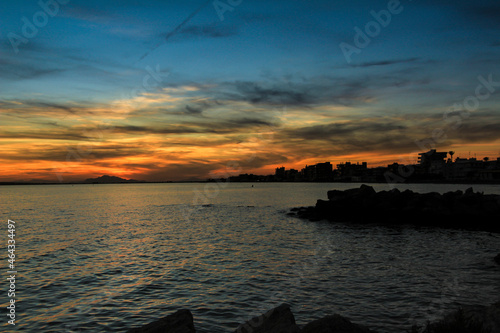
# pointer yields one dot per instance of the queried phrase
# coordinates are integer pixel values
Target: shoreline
(464, 182)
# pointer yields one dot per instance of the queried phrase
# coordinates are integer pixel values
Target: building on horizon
(352, 172)
(432, 162)
(433, 166)
(320, 172)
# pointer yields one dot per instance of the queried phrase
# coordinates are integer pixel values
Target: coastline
(443, 182)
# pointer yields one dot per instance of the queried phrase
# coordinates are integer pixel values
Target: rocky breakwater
(470, 319)
(277, 320)
(469, 209)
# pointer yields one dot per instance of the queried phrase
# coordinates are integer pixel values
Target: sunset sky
(182, 90)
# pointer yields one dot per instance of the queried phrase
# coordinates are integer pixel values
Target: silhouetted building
(308, 172)
(279, 174)
(352, 172)
(318, 172)
(292, 175)
(323, 171)
(432, 162)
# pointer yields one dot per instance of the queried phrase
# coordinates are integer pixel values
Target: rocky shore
(469, 209)
(471, 319)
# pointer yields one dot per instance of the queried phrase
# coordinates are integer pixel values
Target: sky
(186, 90)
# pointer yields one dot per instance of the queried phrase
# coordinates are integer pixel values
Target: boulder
(178, 322)
(487, 316)
(470, 318)
(469, 209)
(277, 320)
(497, 259)
(334, 324)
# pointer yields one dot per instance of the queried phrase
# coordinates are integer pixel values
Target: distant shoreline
(463, 182)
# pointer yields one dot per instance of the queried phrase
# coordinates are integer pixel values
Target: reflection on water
(105, 258)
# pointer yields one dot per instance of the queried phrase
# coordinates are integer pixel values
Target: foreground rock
(277, 320)
(469, 319)
(457, 209)
(334, 324)
(179, 322)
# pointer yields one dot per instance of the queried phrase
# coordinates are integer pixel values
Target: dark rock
(487, 316)
(470, 318)
(368, 190)
(453, 209)
(178, 322)
(277, 320)
(334, 324)
(497, 259)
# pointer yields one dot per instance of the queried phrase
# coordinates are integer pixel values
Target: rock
(334, 324)
(452, 210)
(487, 316)
(277, 320)
(470, 318)
(497, 259)
(178, 322)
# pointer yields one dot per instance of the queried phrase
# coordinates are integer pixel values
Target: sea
(110, 257)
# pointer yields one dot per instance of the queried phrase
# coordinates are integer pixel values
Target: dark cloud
(43, 135)
(173, 129)
(49, 105)
(475, 129)
(484, 14)
(357, 89)
(386, 62)
(15, 70)
(192, 110)
(208, 31)
(256, 93)
(354, 136)
(92, 14)
(205, 125)
(177, 28)
(182, 171)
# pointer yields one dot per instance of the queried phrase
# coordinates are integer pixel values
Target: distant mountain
(110, 180)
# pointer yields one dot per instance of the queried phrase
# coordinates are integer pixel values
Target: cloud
(177, 28)
(16, 70)
(182, 171)
(89, 14)
(316, 91)
(386, 62)
(208, 31)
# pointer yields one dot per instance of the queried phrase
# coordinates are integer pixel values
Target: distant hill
(111, 180)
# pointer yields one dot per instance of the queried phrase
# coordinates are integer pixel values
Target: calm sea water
(105, 258)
